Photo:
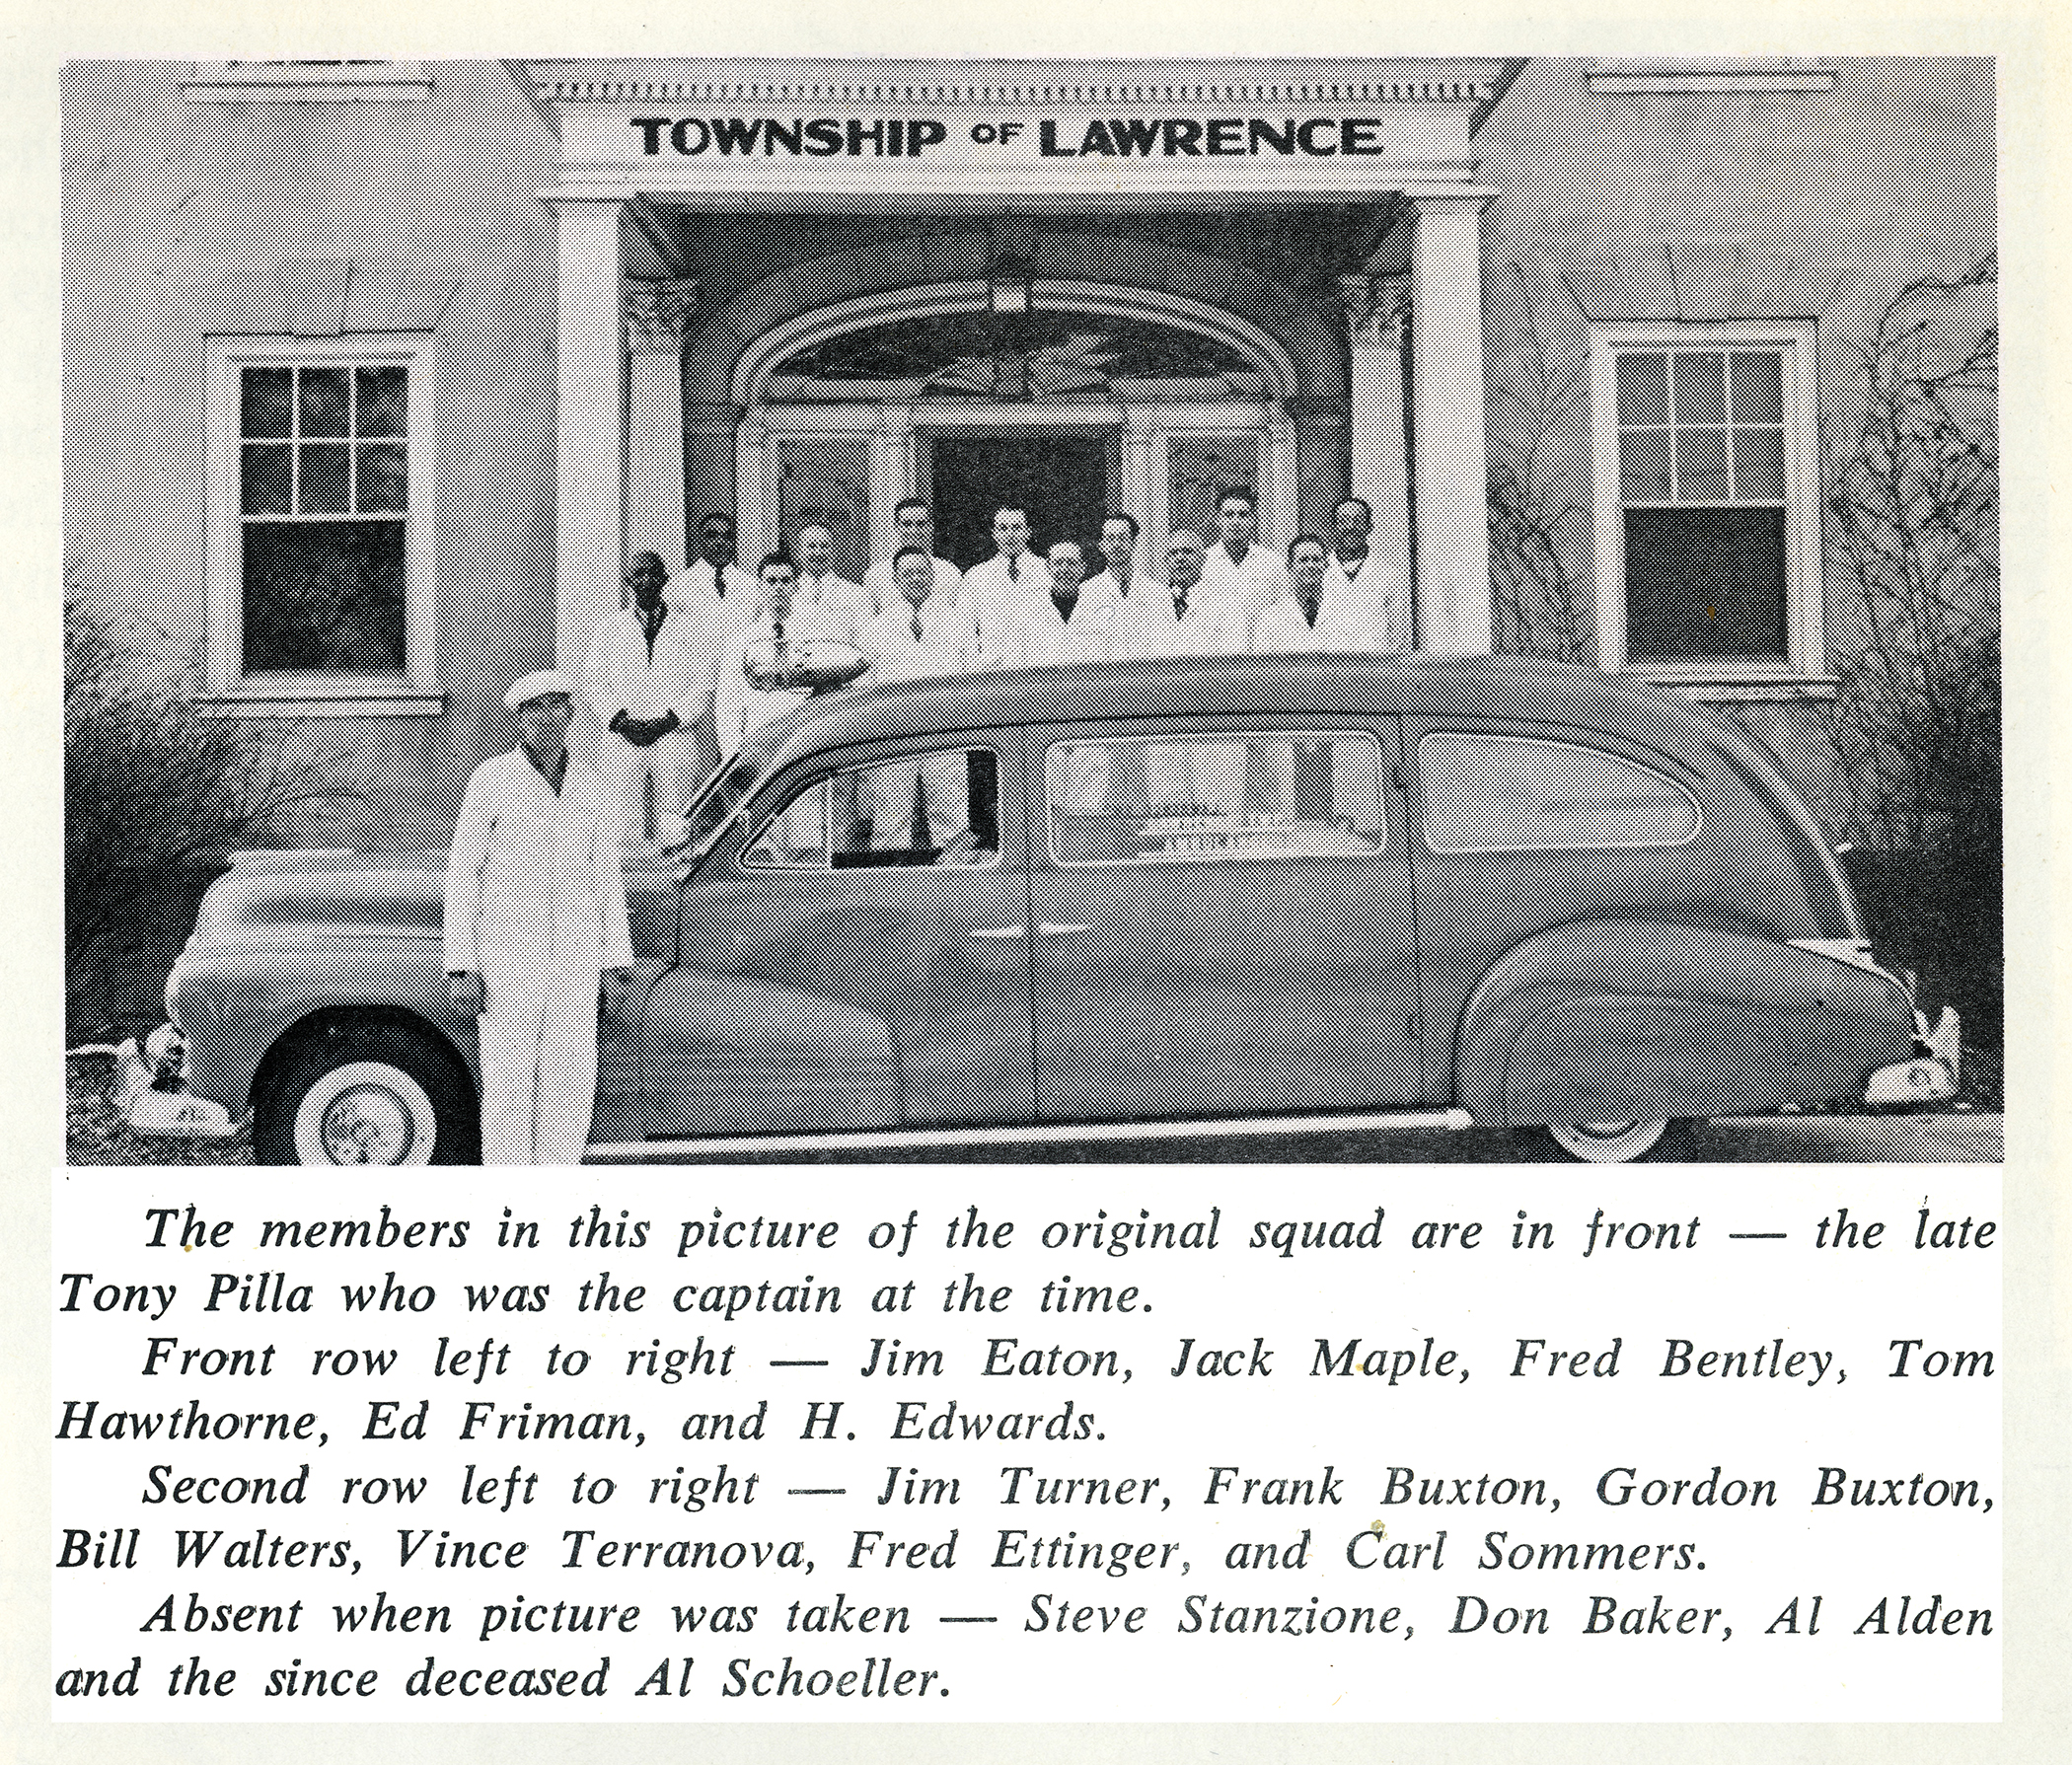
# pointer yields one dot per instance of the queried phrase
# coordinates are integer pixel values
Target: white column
(1452, 492)
(756, 468)
(1379, 467)
(1281, 518)
(656, 314)
(891, 479)
(589, 510)
(1142, 454)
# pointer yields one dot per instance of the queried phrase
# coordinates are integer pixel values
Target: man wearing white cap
(535, 917)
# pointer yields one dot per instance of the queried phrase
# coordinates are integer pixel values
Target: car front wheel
(367, 1094)
(1614, 1143)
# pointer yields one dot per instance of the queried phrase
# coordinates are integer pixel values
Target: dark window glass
(265, 401)
(383, 408)
(383, 479)
(327, 479)
(1705, 582)
(325, 400)
(266, 487)
(1701, 465)
(1698, 385)
(1755, 378)
(324, 596)
(1759, 464)
(1643, 389)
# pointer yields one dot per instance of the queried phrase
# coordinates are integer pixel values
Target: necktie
(916, 626)
(1179, 603)
(1013, 569)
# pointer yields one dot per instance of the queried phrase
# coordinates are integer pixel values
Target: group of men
(679, 674)
(691, 666)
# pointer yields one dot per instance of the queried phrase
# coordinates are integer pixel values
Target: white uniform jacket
(884, 591)
(1345, 625)
(714, 607)
(1374, 599)
(839, 607)
(1254, 584)
(621, 674)
(1142, 621)
(944, 648)
(1048, 637)
(741, 708)
(535, 905)
(996, 601)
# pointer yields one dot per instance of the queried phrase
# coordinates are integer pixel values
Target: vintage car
(1360, 891)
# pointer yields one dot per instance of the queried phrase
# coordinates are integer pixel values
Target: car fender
(235, 1001)
(1620, 1021)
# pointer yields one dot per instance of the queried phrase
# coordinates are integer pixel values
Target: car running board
(664, 1151)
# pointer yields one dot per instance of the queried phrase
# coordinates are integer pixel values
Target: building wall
(1711, 208)
(184, 218)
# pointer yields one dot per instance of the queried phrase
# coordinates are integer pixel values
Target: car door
(854, 955)
(1223, 922)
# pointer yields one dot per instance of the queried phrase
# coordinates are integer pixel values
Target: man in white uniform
(1206, 777)
(1142, 621)
(1237, 568)
(535, 917)
(714, 596)
(838, 607)
(642, 675)
(748, 698)
(1316, 777)
(922, 635)
(1365, 589)
(1068, 624)
(917, 528)
(997, 593)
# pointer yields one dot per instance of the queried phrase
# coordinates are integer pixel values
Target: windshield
(714, 804)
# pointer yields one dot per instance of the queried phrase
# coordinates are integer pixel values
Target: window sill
(261, 705)
(290, 82)
(1751, 688)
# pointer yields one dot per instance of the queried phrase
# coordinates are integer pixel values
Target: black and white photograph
(1174, 873)
(1407, 610)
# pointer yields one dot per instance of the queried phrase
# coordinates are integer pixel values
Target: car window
(1487, 793)
(1281, 793)
(920, 809)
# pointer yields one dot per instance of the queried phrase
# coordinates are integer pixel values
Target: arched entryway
(1084, 398)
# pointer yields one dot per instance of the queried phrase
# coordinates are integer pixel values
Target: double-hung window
(1707, 489)
(320, 519)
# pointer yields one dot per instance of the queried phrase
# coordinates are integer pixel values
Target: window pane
(1759, 464)
(1704, 583)
(1700, 386)
(1203, 467)
(323, 394)
(1643, 465)
(266, 490)
(382, 396)
(264, 400)
(1279, 796)
(326, 486)
(1701, 465)
(324, 596)
(796, 837)
(383, 476)
(1755, 378)
(921, 809)
(826, 482)
(1643, 389)
(1508, 793)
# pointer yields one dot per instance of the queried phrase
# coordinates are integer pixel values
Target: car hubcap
(367, 1127)
(366, 1114)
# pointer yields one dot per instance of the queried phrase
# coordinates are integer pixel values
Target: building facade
(376, 372)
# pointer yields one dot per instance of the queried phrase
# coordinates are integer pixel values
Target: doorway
(1061, 480)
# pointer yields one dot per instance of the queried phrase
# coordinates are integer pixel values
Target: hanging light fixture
(1008, 284)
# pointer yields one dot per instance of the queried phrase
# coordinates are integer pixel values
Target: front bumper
(155, 1099)
(1930, 1079)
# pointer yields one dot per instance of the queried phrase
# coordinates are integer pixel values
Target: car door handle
(999, 934)
(1048, 930)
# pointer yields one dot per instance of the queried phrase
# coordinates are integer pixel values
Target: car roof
(1518, 689)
